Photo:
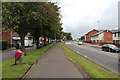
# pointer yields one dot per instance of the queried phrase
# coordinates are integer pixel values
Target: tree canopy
(38, 18)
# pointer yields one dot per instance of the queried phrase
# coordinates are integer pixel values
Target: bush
(3, 45)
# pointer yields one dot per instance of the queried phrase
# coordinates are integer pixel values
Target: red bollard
(18, 56)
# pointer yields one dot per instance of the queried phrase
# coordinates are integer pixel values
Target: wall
(100, 36)
(88, 35)
(108, 37)
(6, 36)
(116, 38)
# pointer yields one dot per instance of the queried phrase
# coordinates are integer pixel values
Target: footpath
(54, 64)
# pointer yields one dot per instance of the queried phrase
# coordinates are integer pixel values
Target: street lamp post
(98, 29)
(98, 24)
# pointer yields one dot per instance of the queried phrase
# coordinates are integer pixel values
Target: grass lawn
(93, 69)
(15, 71)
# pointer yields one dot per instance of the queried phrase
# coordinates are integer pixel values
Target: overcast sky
(81, 16)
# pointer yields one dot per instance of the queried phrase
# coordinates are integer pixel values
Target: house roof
(115, 31)
(100, 31)
(91, 31)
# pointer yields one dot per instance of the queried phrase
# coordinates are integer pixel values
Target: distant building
(11, 37)
(103, 36)
(6, 36)
(116, 36)
(89, 34)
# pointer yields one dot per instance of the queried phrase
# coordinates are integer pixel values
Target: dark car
(110, 48)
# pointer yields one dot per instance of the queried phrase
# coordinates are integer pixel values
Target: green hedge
(3, 44)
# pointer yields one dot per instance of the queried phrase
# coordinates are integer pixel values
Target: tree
(67, 36)
(40, 19)
(48, 21)
(16, 17)
(82, 38)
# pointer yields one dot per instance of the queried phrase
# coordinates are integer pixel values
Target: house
(11, 37)
(6, 36)
(89, 34)
(103, 36)
(96, 38)
(116, 36)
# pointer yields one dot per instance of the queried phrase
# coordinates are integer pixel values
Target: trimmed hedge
(3, 44)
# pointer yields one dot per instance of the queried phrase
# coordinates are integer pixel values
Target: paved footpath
(54, 64)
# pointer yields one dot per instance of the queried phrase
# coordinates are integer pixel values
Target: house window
(118, 34)
(115, 34)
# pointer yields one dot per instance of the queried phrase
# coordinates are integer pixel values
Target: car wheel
(118, 51)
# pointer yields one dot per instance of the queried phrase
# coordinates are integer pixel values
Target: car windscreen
(105, 45)
(112, 46)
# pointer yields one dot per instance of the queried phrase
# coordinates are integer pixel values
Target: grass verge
(10, 71)
(94, 70)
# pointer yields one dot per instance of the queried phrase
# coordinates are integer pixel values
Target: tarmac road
(106, 59)
(7, 54)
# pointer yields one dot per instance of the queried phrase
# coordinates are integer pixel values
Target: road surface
(106, 59)
(9, 54)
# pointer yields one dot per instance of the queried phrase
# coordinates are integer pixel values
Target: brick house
(11, 37)
(116, 37)
(6, 36)
(89, 34)
(103, 36)
(106, 36)
(96, 38)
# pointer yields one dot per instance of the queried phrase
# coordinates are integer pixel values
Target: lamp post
(98, 29)
(98, 24)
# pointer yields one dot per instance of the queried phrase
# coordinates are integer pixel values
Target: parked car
(110, 48)
(80, 42)
(17, 45)
(40, 44)
(28, 43)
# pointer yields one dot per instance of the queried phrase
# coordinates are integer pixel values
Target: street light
(98, 24)
(98, 29)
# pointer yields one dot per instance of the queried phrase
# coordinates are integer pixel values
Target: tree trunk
(44, 41)
(37, 43)
(23, 44)
(48, 40)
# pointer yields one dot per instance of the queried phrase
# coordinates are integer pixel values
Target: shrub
(3, 45)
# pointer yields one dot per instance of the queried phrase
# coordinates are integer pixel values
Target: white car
(80, 42)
